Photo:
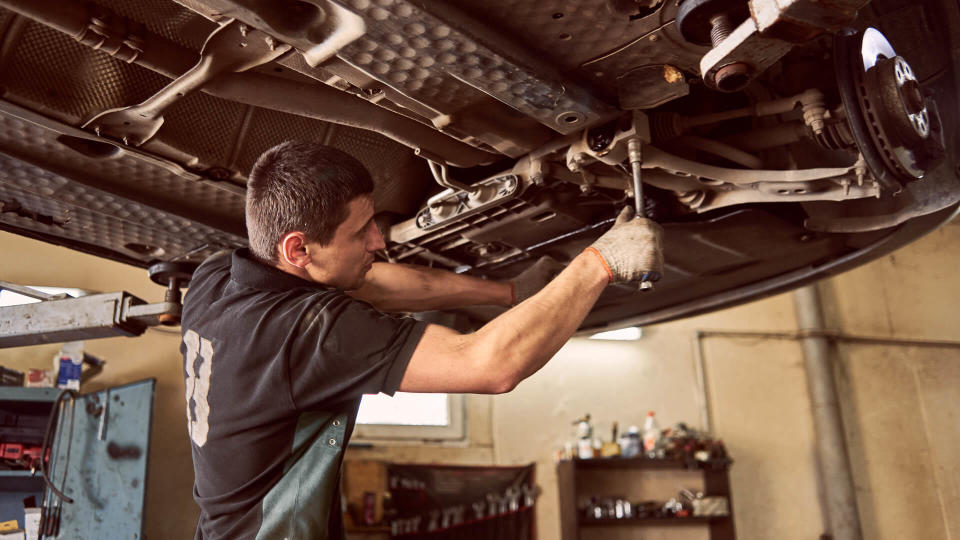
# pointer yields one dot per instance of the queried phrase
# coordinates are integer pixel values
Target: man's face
(345, 261)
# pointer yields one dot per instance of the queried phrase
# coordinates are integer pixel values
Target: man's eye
(363, 232)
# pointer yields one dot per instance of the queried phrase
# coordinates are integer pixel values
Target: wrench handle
(636, 164)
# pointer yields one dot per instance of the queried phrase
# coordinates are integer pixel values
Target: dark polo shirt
(275, 367)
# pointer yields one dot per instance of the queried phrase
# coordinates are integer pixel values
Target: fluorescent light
(630, 333)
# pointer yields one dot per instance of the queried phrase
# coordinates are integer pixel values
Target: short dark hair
(300, 186)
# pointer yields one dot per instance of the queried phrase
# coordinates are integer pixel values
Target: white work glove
(631, 249)
(530, 281)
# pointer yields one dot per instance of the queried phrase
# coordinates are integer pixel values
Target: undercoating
(166, 214)
(48, 72)
(534, 61)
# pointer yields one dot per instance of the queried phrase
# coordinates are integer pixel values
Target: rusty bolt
(720, 28)
(732, 77)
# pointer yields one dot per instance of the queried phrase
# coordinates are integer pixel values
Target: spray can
(651, 435)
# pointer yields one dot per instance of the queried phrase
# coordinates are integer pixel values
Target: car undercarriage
(777, 142)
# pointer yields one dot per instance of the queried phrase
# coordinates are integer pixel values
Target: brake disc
(896, 127)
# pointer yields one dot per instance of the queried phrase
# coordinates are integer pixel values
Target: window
(408, 416)
(630, 333)
(10, 298)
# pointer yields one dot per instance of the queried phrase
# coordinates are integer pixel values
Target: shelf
(646, 463)
(20, 474)
(19, 482)
(20, 393)
(580, 478)
(702, 520)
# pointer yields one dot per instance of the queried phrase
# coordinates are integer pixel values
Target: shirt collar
(246, 270)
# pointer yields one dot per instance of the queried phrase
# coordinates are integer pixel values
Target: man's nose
(376, 242)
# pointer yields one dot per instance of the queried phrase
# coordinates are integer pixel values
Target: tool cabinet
(98, 458)
(23, 419)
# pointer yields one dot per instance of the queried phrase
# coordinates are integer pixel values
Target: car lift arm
(59, 318)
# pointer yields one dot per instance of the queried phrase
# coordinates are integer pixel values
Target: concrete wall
(901, 404)
(904, 401)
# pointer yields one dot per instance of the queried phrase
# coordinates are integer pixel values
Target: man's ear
(293, 249)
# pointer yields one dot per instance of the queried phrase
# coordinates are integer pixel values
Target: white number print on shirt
(198, 385)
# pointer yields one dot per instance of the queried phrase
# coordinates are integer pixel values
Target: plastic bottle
(630, 442)
(651, 435)
(584, 437)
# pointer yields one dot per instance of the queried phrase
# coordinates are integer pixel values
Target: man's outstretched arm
(519, 342)
(410, 288)
(511, 347)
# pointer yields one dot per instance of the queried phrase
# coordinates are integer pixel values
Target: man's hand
(530, 281)
(631, 248)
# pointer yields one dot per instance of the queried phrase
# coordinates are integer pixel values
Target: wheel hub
(895, 126)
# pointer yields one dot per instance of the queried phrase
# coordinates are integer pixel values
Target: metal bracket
(744, 45)
(771, 31)
(232, 48)
(615, 151)
(99, 35)
(453, 205)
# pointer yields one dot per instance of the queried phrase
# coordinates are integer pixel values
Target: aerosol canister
(651, 435)
(630, 442)
(584, 437)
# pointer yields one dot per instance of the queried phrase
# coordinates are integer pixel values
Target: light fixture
(630, 333)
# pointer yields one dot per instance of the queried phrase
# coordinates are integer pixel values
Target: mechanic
(281, 340)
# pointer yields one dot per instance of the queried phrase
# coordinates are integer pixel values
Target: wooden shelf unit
(573, 475)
